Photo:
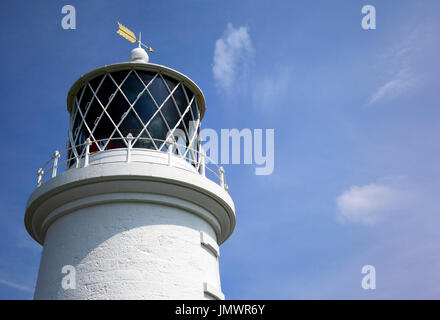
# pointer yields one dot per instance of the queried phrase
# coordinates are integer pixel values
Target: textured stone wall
(131, 250)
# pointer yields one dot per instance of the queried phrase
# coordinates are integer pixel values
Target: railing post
(86, 157)
(40, 173)
(170, 153)
(222, 176)
(202, 163)
(56, 155)
(129, 140)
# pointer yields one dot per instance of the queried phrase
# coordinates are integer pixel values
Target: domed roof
(139, 55)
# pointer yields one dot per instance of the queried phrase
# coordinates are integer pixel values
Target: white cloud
(369, 203)
(232, 53)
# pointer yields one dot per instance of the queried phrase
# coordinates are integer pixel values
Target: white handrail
(73, 159)
(86, 157)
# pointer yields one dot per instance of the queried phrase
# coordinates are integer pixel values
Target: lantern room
(145, 105)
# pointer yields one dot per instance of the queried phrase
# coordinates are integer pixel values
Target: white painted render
(132, 230)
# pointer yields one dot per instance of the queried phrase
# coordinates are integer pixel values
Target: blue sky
(355, 113)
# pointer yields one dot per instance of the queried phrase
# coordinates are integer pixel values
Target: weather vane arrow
(130, 36)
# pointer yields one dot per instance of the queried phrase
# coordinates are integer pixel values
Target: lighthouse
(133, 208)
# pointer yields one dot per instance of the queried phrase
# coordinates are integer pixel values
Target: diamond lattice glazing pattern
(152, 107)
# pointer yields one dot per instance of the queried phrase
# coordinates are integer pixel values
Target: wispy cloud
(232, 54)
(16, 285)
(272, 87)
(401, 82)
(401, 73)
(370, 203)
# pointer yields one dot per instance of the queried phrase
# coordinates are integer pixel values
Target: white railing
(70, 159)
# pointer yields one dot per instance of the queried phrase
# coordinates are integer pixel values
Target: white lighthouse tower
(133, 209)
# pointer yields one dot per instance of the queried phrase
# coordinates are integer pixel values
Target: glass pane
(189, 115)
(158, 129)
(181, 144)
(182, 130)
(189, 93)
(93, 114)
(79, 95)
(132, 87)
(171, 83)
(194, 109)
(117, 107)
(190, 124)
(104, 128)
(119, 76)
(76, 124)
(144, 142)
(170, 114)
(145, 76)
(83, 135)
(145, 107)
(130, 124)
(158, 90)
(107, 88)
(86, 98)
(95, 82)
(179, 97)
(116, 142)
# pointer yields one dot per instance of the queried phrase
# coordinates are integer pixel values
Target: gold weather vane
(129, 35)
